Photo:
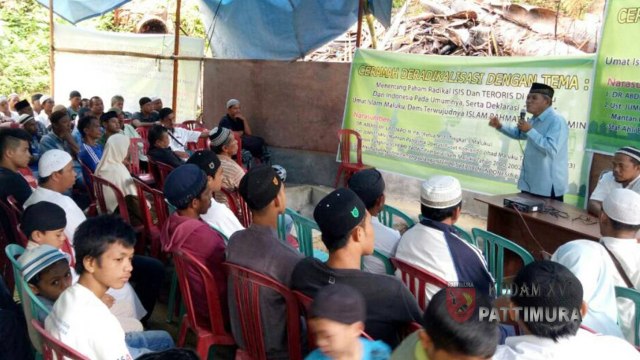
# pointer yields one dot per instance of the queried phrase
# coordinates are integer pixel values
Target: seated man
(156, 103)
(434, 245)
(74, 105)
(188, 189)
(224, 144)
(60, 138)
(348, 235)
(14, 154)
(550, 319)
(117, 102)
(159, 149)
(444, 337)
(104, 253)
(619, 225)
(625, 175)
(179, 137)
(90, 150)
(259, 249)
(47, 104)
(29, 124)
(236, 122)
(369, 185)
(146, 116)
(218, 216)
(110, 125)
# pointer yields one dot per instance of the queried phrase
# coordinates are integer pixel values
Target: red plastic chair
(8, 236)
(159, 171)
(143, 131)
(239, 153)
(246, 288)
(190, 124)
(210, 332)
(99, 184)
(238, 206)
(416, 279)
(53, 348)
(346, 167)
(152, 231)
(87, 176)
(13, 214)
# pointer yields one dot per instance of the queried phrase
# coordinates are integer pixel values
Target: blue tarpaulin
(75, 11)
(255, 29)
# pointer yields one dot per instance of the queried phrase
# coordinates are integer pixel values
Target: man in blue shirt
(545, 166)
(60, 138)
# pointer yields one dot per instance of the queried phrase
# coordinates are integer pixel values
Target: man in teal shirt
(545, 166)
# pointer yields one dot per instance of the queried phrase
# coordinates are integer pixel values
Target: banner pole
(176, 51)
(51, 49)
(360, 13)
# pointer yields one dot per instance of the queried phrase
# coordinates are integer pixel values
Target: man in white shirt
(47, 109)
(434, 245)
(179, 137)
(56, 176)
(624, 175)
(369, 185)
(619, 224)
(548, 309)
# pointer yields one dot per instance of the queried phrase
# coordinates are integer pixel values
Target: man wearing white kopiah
(545, 165)
(434, 245)
(624, 175)
(619, 223)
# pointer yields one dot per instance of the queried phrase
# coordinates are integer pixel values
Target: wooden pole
(176, 51)
(360, 13)
(51, 49)
(129, 53)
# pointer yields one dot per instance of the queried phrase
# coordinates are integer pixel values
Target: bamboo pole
(360, 13)
(130, 53)
(51, 49)
(176, 51)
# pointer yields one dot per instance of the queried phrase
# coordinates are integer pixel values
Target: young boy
(104, 250)
(44, 223)
(444, 337)
(46, 271)
(337, 317)
(159, 149)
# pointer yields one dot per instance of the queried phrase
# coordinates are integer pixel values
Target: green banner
(421, 115)
(615, 106)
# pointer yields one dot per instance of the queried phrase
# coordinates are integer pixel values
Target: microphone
(523, 113)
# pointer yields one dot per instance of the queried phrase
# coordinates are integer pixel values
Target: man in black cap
(24, 108)
(74, 105)
(545, 166)
(189, 190)
(369, 185)
(348, 235)
(259, 249)
(146, 116)
(548, 307)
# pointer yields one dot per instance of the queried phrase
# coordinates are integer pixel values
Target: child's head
(46, 270)
(158, 137)
(104, 250)
(445, 337)
(336, 318)
(44, 223)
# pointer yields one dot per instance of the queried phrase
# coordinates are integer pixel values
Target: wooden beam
(176, 52)
(130, 53)
(360, 14)
(52, 63)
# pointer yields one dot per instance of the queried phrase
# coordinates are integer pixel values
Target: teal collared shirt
(546, 156)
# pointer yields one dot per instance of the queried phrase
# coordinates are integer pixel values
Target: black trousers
(147, 277)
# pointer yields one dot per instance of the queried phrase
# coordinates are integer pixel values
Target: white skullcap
(25, 118)
(52, 161)
(44, 98)
(441, 192)
(232, 102)
(3, 98)
(154, 98)
(623, 205)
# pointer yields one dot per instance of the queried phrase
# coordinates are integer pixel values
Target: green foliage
(24, 40)
(396, 4)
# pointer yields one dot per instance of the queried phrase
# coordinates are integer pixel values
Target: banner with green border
(615, 106)
(420, 115)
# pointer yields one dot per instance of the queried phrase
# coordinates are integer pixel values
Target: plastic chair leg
(338, 175)
(182, 334)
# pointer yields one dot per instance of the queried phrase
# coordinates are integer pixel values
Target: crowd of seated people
(99, 288)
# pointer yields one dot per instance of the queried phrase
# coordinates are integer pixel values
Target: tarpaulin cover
(75, 11)
(255, 29)
(280, 29)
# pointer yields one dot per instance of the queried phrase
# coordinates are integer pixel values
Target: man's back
(390, 305)
(259, 249)
(82, 321)
(584, 345)
(386, 242)
(12, 183)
